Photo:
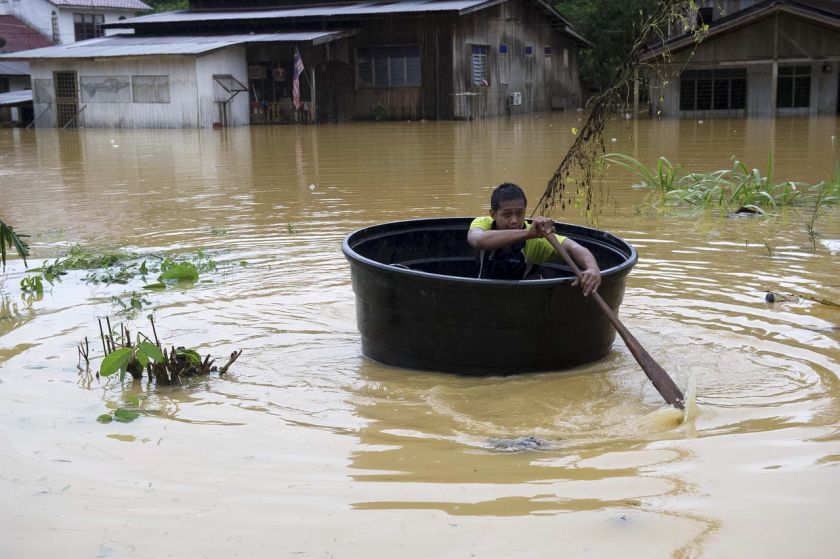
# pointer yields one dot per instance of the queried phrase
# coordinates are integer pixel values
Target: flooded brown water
(307, 449)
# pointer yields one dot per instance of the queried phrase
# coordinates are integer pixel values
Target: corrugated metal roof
(329, 10)
(16, 97)
(115, 46)
(14, 68)
(337, 11)
(115, 4)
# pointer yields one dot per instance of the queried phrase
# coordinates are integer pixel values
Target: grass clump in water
(741, 188)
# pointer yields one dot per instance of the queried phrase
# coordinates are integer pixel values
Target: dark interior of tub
(439, 246)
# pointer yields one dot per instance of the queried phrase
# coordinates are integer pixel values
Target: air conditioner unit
(515, 98)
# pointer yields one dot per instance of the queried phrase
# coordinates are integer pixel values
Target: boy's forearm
(494, 239)
(584, 258)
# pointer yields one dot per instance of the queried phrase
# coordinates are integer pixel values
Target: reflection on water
(304, 431)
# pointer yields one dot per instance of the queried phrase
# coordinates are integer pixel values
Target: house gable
(15, 36)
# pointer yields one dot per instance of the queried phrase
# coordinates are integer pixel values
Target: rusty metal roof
(114, 4)
(116, 46)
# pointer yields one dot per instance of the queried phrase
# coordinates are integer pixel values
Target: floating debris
(516, 445)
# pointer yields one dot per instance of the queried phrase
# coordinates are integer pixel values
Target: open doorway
(334, 93)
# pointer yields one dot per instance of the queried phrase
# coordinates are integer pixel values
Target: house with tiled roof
(67, 21)
(33, 24)
(15, 99)
(758, 57)
(213, 65)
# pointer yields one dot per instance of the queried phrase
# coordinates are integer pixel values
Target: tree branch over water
(580, 166)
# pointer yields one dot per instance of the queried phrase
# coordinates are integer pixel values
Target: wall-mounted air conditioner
(515, 98)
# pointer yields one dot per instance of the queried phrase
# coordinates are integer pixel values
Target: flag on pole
(296, 79)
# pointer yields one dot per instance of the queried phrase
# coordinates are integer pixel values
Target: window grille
(793, 87)
(66, 98)
(721, 89)
(390, 66)
(479, 65)
(150, 89)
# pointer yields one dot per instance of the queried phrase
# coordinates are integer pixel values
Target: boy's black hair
(504, 192)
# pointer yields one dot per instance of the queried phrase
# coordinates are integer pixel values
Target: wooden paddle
(657, 375)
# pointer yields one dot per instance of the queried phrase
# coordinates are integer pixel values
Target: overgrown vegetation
(574, 179)
(611, 27)
(167, 5)
(120, 267)
(740, 188)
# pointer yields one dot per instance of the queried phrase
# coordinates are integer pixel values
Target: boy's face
(510, 215)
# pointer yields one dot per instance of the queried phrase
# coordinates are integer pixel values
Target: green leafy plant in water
(132, 304)
(10, 239)
(177, 271)
(131, 358)
(166, 367)
(123, 414)
(32, 285)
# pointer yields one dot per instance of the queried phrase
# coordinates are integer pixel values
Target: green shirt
(536, 250)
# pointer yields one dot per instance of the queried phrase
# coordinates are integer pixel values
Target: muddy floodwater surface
(308, 449)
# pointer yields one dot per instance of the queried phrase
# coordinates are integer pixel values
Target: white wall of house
(226, 61)
(759, 90)
(38, 15)
(192, 93)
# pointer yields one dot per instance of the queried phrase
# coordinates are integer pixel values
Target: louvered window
(721, 89)
(479, 65)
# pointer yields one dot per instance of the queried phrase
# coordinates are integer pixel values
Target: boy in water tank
(509, 248)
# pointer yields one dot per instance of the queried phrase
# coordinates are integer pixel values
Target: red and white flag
(296, 79)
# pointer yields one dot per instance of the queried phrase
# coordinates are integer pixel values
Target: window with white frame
(478, 69)
(150, 89)
(388, 66)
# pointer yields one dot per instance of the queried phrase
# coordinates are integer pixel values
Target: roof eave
(687, 39)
